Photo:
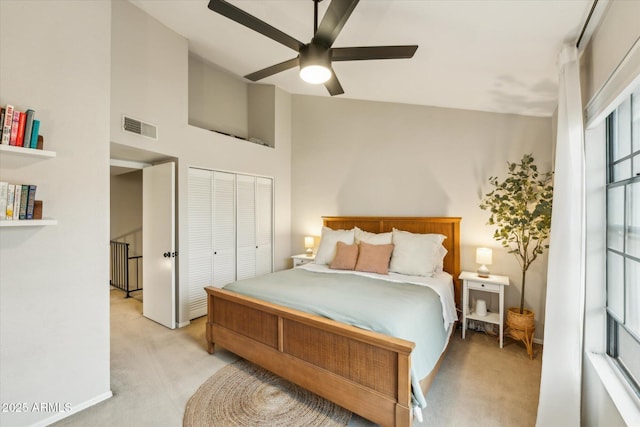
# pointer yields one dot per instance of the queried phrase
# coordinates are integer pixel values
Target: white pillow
(372, 238)
(442, 252)
(328, 241)
(416, 254)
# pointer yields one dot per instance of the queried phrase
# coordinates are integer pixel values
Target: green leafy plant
(520, 208)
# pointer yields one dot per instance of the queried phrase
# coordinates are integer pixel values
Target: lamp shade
(484, 256)
(308, 244)
(315, 64)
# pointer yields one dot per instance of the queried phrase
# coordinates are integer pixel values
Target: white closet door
(264, 225)
(246, 223)
(200, 239)
(224, 229)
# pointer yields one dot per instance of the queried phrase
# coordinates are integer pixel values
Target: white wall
(54, 58)
(217, 100)
(367, 158)
(150, 82)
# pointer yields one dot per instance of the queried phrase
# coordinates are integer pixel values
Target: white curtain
(560, 387)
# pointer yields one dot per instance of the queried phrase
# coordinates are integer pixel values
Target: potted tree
(520, 208)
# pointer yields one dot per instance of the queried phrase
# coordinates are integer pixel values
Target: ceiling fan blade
(372, 52)
(333, 84)
(274, 69)
(334, 19)
(241, 17)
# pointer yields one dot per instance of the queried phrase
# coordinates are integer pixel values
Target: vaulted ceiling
(487, 55)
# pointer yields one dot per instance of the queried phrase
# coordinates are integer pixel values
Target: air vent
(139, 127)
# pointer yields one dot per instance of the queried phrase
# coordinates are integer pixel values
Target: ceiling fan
(315, 57)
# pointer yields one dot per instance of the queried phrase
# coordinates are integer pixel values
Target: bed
(366, 372)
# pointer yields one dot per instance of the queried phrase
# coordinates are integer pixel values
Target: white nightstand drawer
(491, 287)
(302, 259)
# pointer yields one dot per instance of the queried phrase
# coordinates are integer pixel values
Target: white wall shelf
(11, 151)
(28, 152)
(28, 222)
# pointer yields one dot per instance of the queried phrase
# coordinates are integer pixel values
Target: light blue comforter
(402, 310)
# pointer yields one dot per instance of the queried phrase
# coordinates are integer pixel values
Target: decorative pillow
(327, 247)
(346, 257)
(374, 258)
(416, 254)
(372, 238)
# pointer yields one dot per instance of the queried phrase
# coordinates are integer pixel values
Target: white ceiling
(487, 55)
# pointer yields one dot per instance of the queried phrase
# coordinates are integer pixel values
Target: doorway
(148, 272)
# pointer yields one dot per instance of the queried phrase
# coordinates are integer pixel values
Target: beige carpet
(243, 394)
(154, 372)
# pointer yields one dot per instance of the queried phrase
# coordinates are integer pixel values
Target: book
(31, 201)
(22, 121)
(2, 110)
(28, 127)
(34, 133)
(4, 186)
(15, 122)
(6, 125)
(24, 195)
(11, 192)
(37, 209)
(16, 201)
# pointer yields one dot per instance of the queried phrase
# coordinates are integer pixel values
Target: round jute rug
(243, 394)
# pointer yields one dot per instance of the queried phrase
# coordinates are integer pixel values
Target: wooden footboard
(365, 372)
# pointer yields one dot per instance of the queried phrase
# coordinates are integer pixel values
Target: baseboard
(538, 341)
(183, 324)
(74, 410)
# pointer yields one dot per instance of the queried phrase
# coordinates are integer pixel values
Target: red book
(14, 127)
(21, 122)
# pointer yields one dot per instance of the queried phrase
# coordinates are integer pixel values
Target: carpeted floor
(154, 372)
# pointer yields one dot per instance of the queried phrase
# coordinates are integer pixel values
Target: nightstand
(494, 284)
(302, 259)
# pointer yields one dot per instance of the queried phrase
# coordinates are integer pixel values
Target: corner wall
(54, 293)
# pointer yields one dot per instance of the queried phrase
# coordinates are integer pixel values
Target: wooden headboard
(448, 226)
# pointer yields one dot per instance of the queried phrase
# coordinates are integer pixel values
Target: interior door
(158, 244)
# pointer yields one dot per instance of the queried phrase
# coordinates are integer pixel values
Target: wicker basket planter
(521, 327)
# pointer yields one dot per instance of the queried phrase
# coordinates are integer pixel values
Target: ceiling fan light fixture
(315, 64)
(315, 74)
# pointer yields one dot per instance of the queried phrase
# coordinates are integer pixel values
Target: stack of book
(17, 201)
(19, 128)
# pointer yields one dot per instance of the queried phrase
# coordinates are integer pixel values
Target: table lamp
(308, 244)
(483, 257)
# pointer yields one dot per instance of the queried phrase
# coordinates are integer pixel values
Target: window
(623, 238)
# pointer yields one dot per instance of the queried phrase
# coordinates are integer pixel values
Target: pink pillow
(346, 256)
(374, 258)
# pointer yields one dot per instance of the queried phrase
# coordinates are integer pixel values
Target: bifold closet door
(246, 223)
(224, 228)
(254, 235)
(264, 225)
(230, 231)
(200, 203)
